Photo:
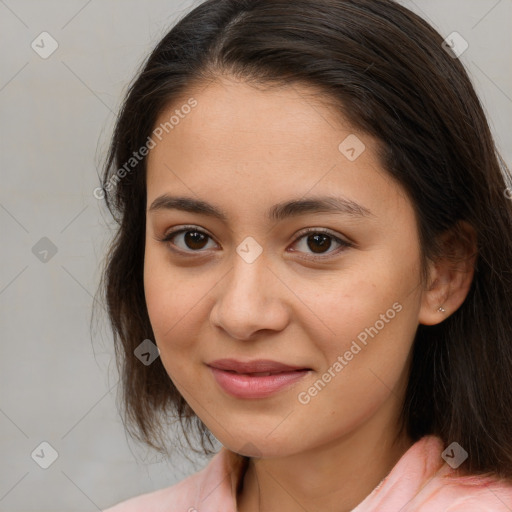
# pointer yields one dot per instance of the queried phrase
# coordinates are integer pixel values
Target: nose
(250, 299)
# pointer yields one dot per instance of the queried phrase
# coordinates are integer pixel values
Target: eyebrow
(280, 211)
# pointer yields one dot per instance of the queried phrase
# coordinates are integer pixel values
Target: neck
(334, 476)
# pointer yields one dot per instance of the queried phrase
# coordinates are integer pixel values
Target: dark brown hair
(386, 70)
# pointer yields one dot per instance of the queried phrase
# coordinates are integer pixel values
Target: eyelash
(343, 243)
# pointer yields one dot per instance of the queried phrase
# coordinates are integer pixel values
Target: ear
(451, 275)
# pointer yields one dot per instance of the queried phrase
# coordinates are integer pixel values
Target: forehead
(244, 143)
(236, 117)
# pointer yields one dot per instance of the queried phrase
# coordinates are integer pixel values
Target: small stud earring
(441, 309)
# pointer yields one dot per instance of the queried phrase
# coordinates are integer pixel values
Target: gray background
(56, 385)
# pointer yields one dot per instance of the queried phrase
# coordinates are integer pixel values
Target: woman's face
(265, 283)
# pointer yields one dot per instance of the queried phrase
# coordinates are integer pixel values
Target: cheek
(176, 298)
(371, 314)
(156, 290)
(364, 365)
(168, 299)
(165, 309)
(359, 299)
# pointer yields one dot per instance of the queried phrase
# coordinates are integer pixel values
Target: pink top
(420, 482)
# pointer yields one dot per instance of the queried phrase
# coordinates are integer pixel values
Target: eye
(194, 239)
(319, 240)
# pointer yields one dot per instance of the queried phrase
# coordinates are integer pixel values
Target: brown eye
(319, 242)
(192, 240)
(195, 239)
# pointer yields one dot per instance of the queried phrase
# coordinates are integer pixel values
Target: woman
(313, 262)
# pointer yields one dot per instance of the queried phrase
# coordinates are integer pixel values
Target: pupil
(323, 241)
(195, 239)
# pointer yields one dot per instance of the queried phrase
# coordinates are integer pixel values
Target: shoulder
(471, 494)
(177, 496)
(210, 489)
(447, 489)
(422, 481)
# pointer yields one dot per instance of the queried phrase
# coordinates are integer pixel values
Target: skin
(245, 149)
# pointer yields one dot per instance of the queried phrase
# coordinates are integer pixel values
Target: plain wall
(56, 116)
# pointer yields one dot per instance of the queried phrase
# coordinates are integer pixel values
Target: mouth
(257, 366)
(257, 374)
(255, 379)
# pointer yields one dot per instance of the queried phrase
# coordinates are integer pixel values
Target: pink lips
(254, 379)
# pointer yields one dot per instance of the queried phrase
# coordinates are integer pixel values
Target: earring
(441, 309)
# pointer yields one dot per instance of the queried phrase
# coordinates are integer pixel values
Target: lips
(259, 366)
(255, 379)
